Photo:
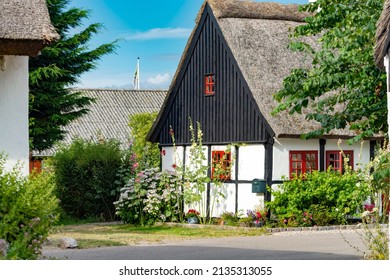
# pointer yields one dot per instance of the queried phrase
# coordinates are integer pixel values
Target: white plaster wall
(171, 156)
(282, 147)
(361, 151)
(251, 162)
(248, 200)
(14, 112)
(387, 66)
(224, 204)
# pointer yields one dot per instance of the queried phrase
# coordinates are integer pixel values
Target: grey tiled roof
(109, 114)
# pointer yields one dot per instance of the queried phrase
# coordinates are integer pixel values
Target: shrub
(326, 197)
(151, 196)
(86, 175)
(148, 154)
(28, 208)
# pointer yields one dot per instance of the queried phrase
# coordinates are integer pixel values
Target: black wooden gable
(230, 115)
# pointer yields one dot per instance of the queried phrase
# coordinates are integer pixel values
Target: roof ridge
(256, 10)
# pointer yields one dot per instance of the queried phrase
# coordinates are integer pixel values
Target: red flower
(174, 166)
(163, 152)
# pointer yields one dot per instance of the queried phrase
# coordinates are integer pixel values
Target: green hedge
(86, 175)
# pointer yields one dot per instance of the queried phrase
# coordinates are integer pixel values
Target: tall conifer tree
(56, 69)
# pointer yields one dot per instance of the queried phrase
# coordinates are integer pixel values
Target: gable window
(221, 165)
(302, 162)
(209, 87)
(336, 160)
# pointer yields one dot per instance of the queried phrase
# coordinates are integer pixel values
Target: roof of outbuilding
(25, 27)
(382, 36)
(258, 36)
(109, 114)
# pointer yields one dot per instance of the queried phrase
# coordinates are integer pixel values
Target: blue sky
(155, 31)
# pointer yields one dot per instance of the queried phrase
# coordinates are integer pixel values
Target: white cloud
(160, 33)
(159, 79)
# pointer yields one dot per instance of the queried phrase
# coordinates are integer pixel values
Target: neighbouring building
(25, 29)
(235, 60)
(108, 117)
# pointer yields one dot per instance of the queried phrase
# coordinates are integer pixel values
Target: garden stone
(68, 243)
(3, 247)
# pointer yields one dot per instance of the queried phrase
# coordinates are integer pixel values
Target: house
(108, 117)
(382, 49)
(25, 29)
(235, 60)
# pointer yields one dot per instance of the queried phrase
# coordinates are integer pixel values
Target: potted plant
(259, 217)
(192, 216)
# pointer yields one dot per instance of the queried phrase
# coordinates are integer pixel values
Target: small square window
(302, 162)
(221, 165)
(336, 160)
(209, 84)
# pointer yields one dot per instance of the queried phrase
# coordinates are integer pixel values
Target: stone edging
(321, 228)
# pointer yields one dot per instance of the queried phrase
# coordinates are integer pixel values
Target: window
(336, 159)
(209, 88)
(221, 165)
(302, 162)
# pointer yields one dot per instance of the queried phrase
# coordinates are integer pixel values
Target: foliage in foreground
(343, 63)
(86, 175)
(28, 209)
(319, 198)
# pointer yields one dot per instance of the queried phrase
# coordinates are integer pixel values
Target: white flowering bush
(149, 197)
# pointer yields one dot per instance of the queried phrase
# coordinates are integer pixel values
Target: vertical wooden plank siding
(231, 114)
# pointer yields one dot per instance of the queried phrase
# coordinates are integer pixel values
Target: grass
(103, 234)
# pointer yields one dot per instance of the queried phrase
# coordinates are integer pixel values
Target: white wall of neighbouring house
(14, 135)
(387, 67)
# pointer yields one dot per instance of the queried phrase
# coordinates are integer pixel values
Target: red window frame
(223, 158)
(335, 159)
(302, 162)
(209, 84)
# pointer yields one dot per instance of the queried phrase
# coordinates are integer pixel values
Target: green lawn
(103, 234)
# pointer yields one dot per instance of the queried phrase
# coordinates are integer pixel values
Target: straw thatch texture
(260, 47)
(25, 27)
(255, 10)
(382, 36)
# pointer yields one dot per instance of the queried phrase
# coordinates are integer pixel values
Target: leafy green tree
(148, 154)
(343, 63)
(59, 66)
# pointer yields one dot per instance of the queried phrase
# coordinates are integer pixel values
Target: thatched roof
(255, 10)
(109, 114)
(382, 36)
(258, 35)
(25, 27)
